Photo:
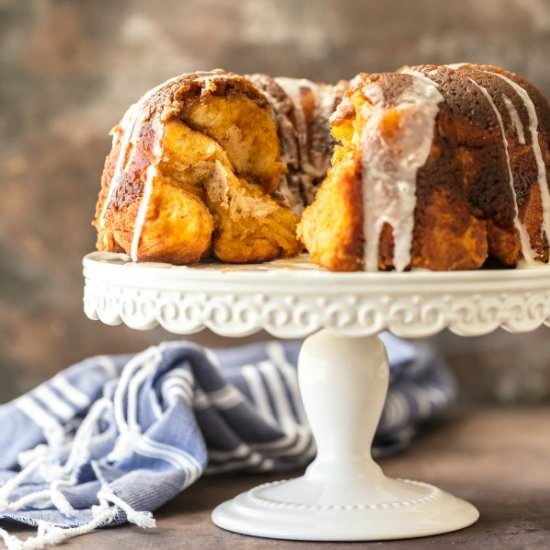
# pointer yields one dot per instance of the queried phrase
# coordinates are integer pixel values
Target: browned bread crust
(479, 193)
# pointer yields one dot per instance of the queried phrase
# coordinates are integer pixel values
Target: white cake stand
(343, 371)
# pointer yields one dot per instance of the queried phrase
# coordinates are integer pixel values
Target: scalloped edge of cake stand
(293, 298)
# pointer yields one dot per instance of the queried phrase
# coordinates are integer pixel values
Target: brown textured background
(69, 69)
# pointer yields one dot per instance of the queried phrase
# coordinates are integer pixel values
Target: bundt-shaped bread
(438, 167)
(215, 164)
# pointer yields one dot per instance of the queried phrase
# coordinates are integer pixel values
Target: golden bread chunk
(191, 175)
(250, 225)
(246, 133)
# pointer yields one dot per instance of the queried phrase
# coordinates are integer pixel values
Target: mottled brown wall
(68, 70)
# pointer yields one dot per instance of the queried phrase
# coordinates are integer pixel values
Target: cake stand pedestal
(343, 371)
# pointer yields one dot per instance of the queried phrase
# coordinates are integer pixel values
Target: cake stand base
(344, 495)
(291, 510)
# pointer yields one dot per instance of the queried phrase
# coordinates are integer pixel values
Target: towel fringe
(80, 448)
(143, 519)
(56, 473)
(50, 534)
(11, 484)
(60, 501)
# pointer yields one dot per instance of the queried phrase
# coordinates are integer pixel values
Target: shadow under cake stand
(343, 371)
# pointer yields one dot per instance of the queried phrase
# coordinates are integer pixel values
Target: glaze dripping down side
(390, 165)
(526, 250)
(537, 151)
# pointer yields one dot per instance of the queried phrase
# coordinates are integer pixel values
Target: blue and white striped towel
(112, 439)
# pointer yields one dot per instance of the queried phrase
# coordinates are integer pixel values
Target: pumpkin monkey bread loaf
(214, 164)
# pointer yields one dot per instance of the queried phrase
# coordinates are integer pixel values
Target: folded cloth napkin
(111, 439)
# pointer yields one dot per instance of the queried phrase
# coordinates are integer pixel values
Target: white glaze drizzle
(422, 76)
(150, 174)
(292, 87)
(514, 118)
(121, 135)
(128, 132)
(535, 144)
(456, 66)
(343, 108)
(390, 171)
(523, 235)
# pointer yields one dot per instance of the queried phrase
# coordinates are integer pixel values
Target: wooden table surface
(499, 459)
